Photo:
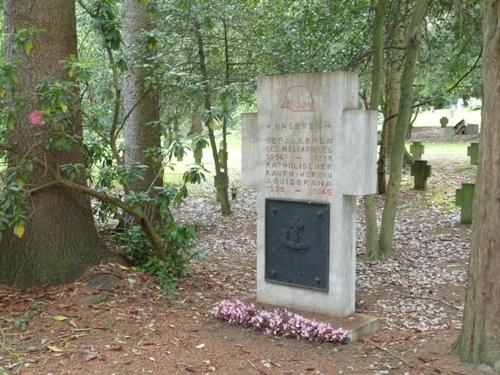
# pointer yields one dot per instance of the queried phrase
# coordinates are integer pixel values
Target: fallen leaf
(55, 349)
(91, 356)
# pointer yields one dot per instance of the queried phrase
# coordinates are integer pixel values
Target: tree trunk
(221, 180)
(141, 133)
(480, 337)
(403, 122)
(395, 58)
(60, 240)
(372, 249)
(196, 124)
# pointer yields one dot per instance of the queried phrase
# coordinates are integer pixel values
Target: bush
(179, 239)
(474, 104)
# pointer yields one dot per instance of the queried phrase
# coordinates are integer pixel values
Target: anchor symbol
(292, 237)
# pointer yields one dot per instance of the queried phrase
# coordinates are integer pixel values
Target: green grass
(445, 151)
(437, 198)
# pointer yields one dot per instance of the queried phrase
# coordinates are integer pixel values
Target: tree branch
(465, 75)
(157, 245)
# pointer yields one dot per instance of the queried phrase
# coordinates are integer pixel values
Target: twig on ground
(256, 368)
(385, 350)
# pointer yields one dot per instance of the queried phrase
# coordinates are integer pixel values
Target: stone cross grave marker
(317, 152)
(465, 199)
(473, 153)
(417, 150)
(443, 121)
(421, 171)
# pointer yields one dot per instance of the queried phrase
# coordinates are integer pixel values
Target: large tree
(141, 102)
(58, 240)
(480, 337)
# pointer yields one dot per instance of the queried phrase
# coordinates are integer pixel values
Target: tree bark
(403, 123)
(480, 337)
(196, 124)
(372, 248)
(141, 132)
(221, 179)
(395, 58)
(60, 240)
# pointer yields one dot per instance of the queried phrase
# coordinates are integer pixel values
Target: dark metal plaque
(297, 243)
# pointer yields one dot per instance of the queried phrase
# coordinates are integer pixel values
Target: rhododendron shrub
(279, 322)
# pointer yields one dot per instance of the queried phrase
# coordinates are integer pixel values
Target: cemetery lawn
(115, 320)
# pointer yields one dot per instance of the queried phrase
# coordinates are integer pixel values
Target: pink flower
(35, 118)
(278, 322)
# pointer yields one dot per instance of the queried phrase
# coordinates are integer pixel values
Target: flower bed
(279, 322)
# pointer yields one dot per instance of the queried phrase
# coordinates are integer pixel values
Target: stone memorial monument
(249, 150)
(317, 152)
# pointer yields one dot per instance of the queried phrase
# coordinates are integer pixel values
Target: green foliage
(9, 115)
(24, 39)
(475, 104)
(8, 78)
(177, 149)
(194, 175)
(54, 99)
(78, 69)
(13, 202)
(450, 49)
(22, 322)
(180, 239)
(104, 15)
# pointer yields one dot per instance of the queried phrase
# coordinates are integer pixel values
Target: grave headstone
(449, 133)
(473, 153)
(472, 129)
(318, 151)
(465, 199)
(421, 171)
(249, 150)
(443, 121)
(417, 150)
